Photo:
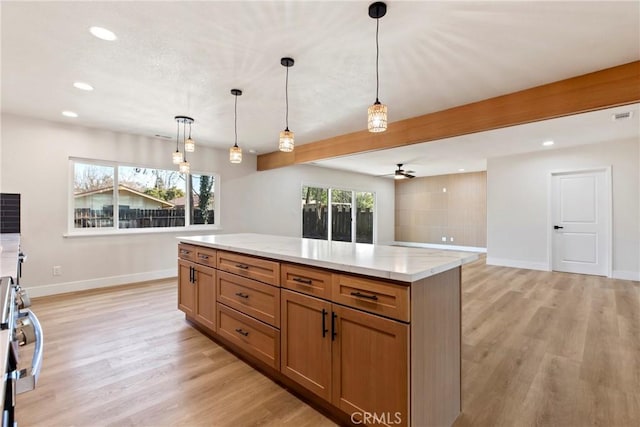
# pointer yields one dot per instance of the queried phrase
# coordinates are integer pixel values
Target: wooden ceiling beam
(593, 91)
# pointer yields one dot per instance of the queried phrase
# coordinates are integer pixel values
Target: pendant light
(184, 165)
(286, 136)
(377, 113)
(190, 144)
(177, 155)
(235, 152)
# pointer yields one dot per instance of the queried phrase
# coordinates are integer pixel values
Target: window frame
(115, 230)
(354, 192)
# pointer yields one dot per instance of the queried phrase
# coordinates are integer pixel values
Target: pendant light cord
(177, 136)
(377, 58)
(286, 98)
(184, 140)
(235, 121)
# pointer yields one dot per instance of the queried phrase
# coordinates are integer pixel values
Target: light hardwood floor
(549, 349)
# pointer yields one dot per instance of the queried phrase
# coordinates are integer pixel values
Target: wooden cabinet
(205, 281)
(357, 361)
(370, 365)
(186, 288)
(250, 297)
(306, 342)
(375, 351)
(256, 338)
(197, 285)
(251, 267)
(187, 252)
(386, 299)
(308, 280)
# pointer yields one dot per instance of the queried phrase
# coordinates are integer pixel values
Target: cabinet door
(370, 365)
(306, 342)
(206, 296)
(186, 288)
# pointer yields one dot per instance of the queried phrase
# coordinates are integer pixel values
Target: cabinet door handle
(361, 295)
(242, 295)
(324, 321)
(191, 274)
(301, 280)
(194, 274)
(334, 316)
(242, 266)
(241, 332)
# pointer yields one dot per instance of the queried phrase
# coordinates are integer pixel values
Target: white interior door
(580, 211)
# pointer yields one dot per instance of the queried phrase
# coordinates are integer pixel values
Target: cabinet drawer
(205, 256)
(256, 299)
(256, 338)
(247, 266)
(187, 252)
(308, 280)
(373, 296)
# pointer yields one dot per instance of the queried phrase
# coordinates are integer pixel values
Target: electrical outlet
(444, 239)
(451, 239)
(57, 270)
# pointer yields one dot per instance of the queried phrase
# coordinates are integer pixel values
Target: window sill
(139, 231)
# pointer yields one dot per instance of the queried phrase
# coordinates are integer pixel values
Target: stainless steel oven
(19, 326)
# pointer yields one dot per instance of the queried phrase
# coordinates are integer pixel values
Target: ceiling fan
(402, 174)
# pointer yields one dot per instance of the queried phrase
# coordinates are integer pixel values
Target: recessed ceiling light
(69, 114)
(102, 33)
(83, 86)
(548, 143)
(461, 170)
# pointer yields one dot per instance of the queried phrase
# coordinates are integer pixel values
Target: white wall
(517, 203)
(35, 163)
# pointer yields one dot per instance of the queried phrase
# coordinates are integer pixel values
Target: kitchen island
(369, 334)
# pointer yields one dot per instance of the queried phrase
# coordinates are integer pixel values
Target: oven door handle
(27, 379)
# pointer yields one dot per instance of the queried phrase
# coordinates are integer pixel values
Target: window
(202, 199)
(146, 198)
(351, 214)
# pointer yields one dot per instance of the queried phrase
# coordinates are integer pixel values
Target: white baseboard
(101, 282)
(505, 262)
(626, 275)
(438, 246)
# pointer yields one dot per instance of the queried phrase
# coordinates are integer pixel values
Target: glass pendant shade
(286, 141)
(185, 167)
(189, 145)
(177, 157)
(235, 154)
(377, 117)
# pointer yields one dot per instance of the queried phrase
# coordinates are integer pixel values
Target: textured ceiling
(183, 58)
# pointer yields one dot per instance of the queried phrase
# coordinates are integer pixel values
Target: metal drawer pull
(184, 252)
(242, 266)
(241, 295)
(241, 332)
(360, 295)
(203, 256)
(301, 280)
(324, 320)
(334, 316)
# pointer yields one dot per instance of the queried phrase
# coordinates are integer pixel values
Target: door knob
(557, 227)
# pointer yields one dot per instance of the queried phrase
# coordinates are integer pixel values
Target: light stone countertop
(389, 262)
